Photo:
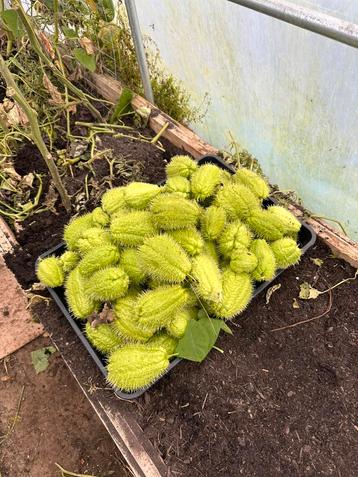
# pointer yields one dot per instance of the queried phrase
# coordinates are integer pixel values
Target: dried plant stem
(65, 473)
(56, 71)
(14, 91)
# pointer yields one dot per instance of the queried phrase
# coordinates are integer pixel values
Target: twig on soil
(157, 137)
(15, 419)
(330, 302)
(66, 473)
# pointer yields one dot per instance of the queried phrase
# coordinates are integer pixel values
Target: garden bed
(275, 403)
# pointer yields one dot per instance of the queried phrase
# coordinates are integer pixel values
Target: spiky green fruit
(210, 249)
(103, 337)
(50, 272)
(97, 258)
(266, 225)
(75, 229)
(192, 300)
(286, 252)
(288, 222)
(212, 222)
(113, 200)
(92, 238)
(190, 239)
(132, 228)
(181, 166)
(236, 295)
(135, 366)
(100, 217)
(171, 212)
(69, 260)
(138, 195)
(165, 341)
(243, 260)
(178, 325)
(238, 201)
(130, 262)
(163, 259)
(207, 277)
(266, 263)
(125, 324)
(235, 235)
(107, 284)
(205, 181)
(79, 303)
(226, 177)
(179, 185)
(156, 308)
(253, 181)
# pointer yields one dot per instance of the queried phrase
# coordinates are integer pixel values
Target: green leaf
(225, 328)
(86, 60)
(40, 358)
(123, 105)
(200, 336)
(106, 10)
(69, 33)
(13, 22)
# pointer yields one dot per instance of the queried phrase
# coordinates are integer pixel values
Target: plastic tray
(306, 238)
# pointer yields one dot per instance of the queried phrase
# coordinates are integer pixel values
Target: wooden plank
(176, 133)
(341, 245)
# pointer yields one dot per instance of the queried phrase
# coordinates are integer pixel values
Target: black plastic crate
(306, 238)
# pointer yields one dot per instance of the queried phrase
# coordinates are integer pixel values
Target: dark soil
(274, 403)
(55, 422)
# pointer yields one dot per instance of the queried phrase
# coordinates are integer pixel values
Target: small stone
(241, 441)
(290, 393)
(306, 448)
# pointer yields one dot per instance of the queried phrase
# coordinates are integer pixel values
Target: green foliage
(207, 277)
(107, 284)
(190, 239)
(172, 212)
(183, 166)
(79, 302)
(286, 252)
(69, 260)
(266, 263)
(238, 201)
(252, 181)
(103, 337)
(163, 259)
(204, 181)
(156, 308)
(237, 292)
(132, 228)
(97, 258)
(213, 221)
(139, 194)
(85, 59)
(75, 229)
(50, 272)
(135, 366)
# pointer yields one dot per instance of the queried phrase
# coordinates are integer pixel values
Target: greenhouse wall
(288, 96)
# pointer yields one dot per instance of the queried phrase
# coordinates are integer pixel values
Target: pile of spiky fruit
(156, 255)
